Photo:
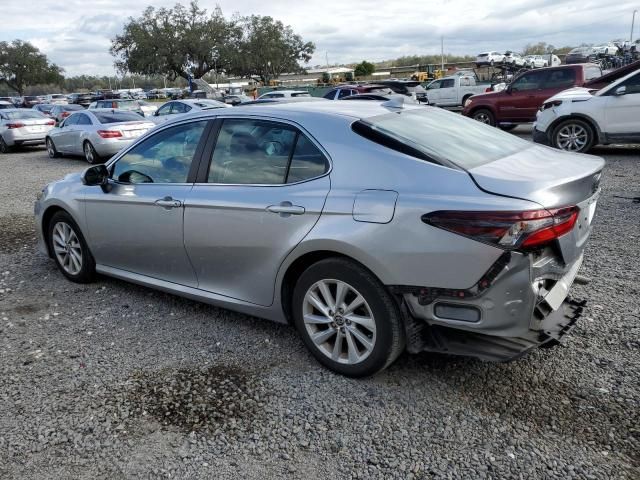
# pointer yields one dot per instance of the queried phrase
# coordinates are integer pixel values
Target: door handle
(285, 209)
(168, 202)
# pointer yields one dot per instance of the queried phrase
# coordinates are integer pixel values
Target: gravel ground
(112, 380)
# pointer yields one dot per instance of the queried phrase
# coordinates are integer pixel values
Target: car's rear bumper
(13, 138)
(519, 304)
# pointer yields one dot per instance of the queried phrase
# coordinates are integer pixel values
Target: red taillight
(109, 133)
(488, 89)
(510, 230)
(50, 122)
(15, 125)
(65, 114)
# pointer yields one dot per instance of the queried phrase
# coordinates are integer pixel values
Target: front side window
(83, 119)
(165, 157)
(448, 83)
(434, 85)
(72, 120)
(344, 93)
(330, 95)
(165, 109)
(179, 107)
(258, 152)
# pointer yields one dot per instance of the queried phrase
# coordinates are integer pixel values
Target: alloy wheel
(51, 150)
(88, 153)
(572, 137)
(67, 248)
(482, 117)
(339, 321)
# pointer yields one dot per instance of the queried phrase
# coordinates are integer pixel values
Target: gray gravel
(112, 380)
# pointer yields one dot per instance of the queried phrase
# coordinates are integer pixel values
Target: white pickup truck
(453, 91)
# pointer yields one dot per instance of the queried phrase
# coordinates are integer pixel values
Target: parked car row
(514, 59)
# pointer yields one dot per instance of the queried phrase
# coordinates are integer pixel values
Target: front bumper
(541, 137)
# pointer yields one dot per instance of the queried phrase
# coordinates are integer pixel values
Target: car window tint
(434, 85)
(251, 152)
(179, 107)
(448, 83)
(592, 72)
(344, 93)
(529, 81)
(300, 94)
(330, 95)
(162, 158)
(165, 109)
(564, 78)
(72, 120)
(307, 161)
(83, 119)
(632, 84)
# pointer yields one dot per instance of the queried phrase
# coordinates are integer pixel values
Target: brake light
(509, 230)
(50, 122)
(109, 133)
(15, 125)
(65, 114)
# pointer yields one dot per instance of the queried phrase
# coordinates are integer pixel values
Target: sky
(76, 34)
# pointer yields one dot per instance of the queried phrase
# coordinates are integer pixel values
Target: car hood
(573, 94)
(552, 178)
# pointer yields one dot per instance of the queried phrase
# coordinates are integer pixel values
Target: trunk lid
(131, 129)
(547, 176)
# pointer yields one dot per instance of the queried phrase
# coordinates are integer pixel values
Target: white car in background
(21, 126)
(179, 107)
(577, 119)
(607, 49)
(535, 61)
(513, 59)
(490, 58)
(284, 94)
(56, 99)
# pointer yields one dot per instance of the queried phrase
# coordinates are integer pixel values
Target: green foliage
(422, 60)
(364, 69)
(542, 48)
(268, 48)
(22, 64)
(176, 42)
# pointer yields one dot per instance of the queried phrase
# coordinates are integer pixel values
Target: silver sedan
(96, 134)
(372, 227)
(170, 110)
(20, 126)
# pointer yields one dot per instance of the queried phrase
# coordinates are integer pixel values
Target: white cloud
(76, 34)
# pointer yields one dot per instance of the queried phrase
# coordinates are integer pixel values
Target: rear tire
(573, 135)
(51, 148)
(90, 154)
(4, 148)
(485, 116)
(357, 336)
(69, 248)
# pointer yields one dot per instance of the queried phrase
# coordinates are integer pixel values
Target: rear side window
(592, 72)
(344, 93)
(529, 81)
(448, 83)
(565, 78)
(258, 152)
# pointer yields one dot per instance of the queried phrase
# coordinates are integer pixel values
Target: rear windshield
(300, 94)
(70, 108)
(23, 115)
(440, 136)
(209, 104)
(115, 117)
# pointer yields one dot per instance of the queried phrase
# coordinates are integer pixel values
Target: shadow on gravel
(16, 232)
(197, 399)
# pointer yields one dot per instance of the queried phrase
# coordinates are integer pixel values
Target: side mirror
(96, 175)
(620, 91)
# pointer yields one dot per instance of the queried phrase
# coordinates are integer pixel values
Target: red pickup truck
(519, 102)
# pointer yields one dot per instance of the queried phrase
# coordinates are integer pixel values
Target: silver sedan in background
(20, 126)
(170, 109)
(372, 227)
(96, 134)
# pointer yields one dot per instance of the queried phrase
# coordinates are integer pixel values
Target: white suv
(489, 58)
(577, 119)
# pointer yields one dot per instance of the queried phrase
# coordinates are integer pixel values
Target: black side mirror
(96, 175)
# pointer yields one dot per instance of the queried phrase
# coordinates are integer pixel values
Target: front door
(622, 112)
(138, 225)
(520, 102)
(263, 192)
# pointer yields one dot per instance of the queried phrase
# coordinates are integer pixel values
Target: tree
(269, 48)
(22, 64)
(364, 69)
(177, 42)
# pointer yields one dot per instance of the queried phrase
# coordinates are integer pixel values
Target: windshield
(115, 117)
(447, 137)
(209, 103)
(24, 115)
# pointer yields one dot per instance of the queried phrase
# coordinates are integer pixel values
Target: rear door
(67, 130)
(259, 192)
(82, 125)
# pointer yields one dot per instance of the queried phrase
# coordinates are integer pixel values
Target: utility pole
(442, 53)
(633, 20)
(326, 56)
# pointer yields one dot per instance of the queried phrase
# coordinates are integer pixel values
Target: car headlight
(555, 103)
(467, 102)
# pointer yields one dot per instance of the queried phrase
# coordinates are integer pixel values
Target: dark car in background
(580, 55)
(406, 87)
(60, 112)
(520, 100)
(29, 101)
(83, 99)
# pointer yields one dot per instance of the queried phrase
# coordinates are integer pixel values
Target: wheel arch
(47, 215)
(580, 116)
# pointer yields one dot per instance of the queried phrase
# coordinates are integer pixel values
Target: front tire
(90, 154)
(573, 135)
(51, 148)
(485, 116)
(69, 249)
(346, 318)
